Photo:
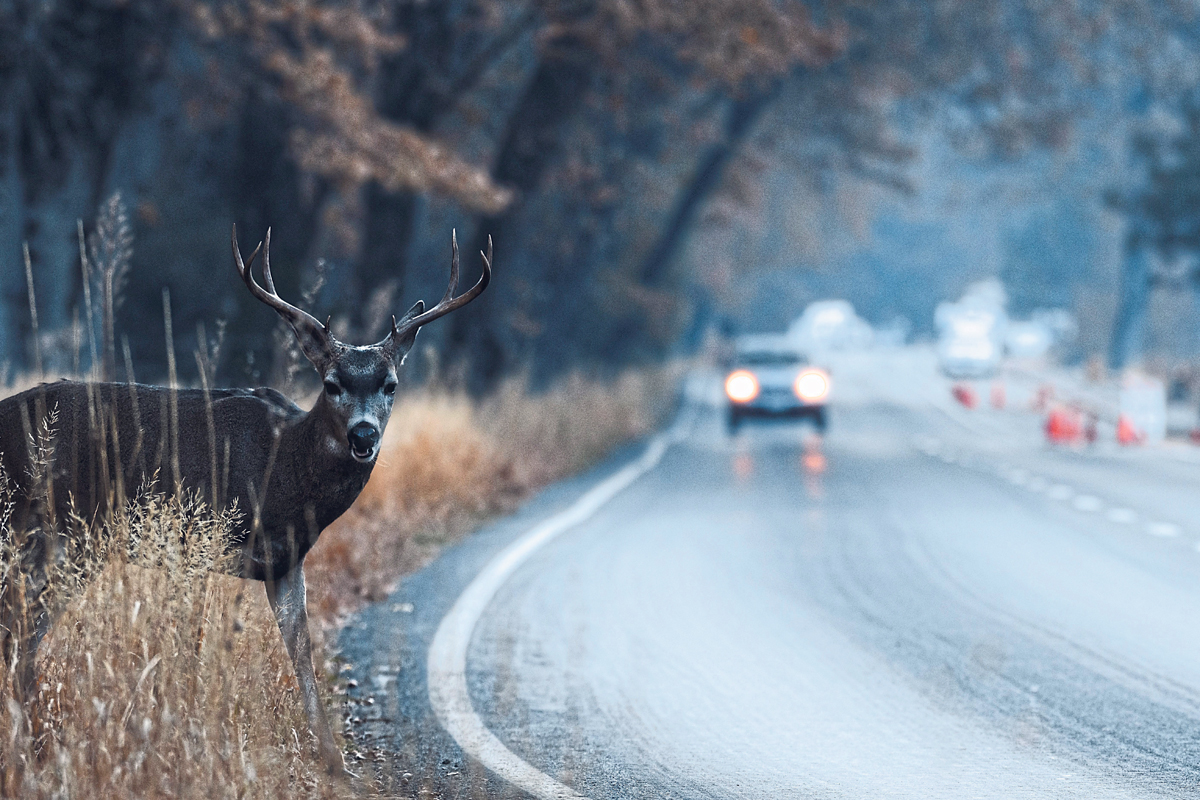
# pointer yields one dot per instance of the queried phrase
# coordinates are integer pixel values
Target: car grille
(776, 397)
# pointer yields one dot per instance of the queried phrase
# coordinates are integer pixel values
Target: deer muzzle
(364, 441)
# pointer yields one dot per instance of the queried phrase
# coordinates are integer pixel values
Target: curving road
(928, 604)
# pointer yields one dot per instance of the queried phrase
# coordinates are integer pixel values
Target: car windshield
(771, 358)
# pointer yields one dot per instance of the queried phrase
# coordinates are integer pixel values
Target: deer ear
(316, 344)
(400, 345)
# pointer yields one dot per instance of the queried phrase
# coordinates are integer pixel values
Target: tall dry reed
(164, 678)
(160, 677)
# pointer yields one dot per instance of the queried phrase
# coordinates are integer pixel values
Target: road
(929, 603)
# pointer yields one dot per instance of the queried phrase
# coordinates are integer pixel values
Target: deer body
(290, 473)
(264, 460)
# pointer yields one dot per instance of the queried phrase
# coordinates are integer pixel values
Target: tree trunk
(419, 88)
(387, 234)
(55, 248)
(740, 120)
(12, 227)
(1129, 327)
(531, 144)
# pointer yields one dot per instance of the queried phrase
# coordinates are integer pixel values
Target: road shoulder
(386, 647)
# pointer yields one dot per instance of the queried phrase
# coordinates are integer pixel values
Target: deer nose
(363, 438)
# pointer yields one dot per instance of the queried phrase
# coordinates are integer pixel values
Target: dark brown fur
(257, 454)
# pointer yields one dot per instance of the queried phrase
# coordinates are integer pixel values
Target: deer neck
(315, 452)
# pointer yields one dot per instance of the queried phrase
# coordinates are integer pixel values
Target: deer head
(359, 383)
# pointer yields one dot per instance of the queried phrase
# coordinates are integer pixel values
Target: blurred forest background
(649, 169)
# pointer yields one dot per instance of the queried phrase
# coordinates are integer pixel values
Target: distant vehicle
(830, 325)
(968, 357)
(771, 377)
(970, 339)
(1029, 339)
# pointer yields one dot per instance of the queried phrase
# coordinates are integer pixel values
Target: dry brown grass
(161, 679)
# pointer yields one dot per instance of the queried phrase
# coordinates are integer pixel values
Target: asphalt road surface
(929, 603)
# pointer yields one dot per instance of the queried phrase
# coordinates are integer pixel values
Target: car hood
(775, 376)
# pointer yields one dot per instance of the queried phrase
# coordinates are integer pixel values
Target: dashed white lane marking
(447, 664)
(1162, 529)
(1124, 516)
(1060, 491)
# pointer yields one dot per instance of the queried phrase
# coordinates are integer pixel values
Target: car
(770, 377)
(829, 325)
(968, 356)
(971, 331)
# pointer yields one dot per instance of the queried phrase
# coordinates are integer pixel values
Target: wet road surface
(922, 605)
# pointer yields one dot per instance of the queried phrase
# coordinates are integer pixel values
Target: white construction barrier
(1143, 402)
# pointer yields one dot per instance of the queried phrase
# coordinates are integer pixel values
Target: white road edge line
(447, 664)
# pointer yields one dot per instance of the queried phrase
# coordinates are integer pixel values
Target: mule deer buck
(291, 473)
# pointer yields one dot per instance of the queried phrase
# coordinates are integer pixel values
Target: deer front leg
(24, 622)
(287, 598)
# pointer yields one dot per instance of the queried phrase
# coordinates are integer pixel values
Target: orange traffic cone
(1127, 433)
(965, 395)
(1064, 426)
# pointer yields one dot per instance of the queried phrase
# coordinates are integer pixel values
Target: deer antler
(314, 337)
(448, 302)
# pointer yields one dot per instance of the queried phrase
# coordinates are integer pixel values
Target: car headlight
(741, 386)
(811, 385)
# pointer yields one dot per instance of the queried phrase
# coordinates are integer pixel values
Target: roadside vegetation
(163, 678)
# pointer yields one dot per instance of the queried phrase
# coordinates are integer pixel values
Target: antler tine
(267, 279)
(243, 269)
(295, 316)
(453, 268)
(449, 302)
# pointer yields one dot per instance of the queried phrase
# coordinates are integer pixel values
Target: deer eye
(332, 389)
(389, 389)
